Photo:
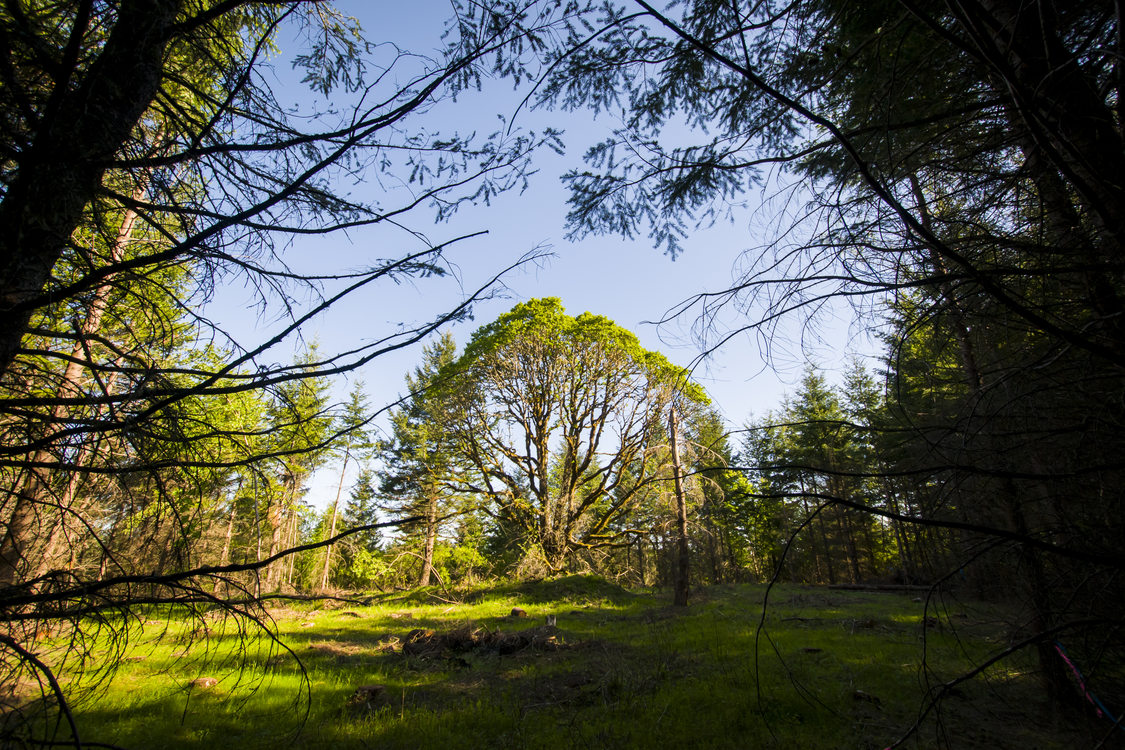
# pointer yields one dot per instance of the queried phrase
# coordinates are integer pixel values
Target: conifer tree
(418, 457)
(299, 430)
(353, 443)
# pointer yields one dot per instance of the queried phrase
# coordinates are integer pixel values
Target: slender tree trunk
(713, 542)
(67, 500)
(845, 530)
(66, 509)
(683, 557)
(292, 534)
(829, 558)
(641, 562)
(1056, 680)
(118, 530)
(1064, 223)
(850, 545)
(872, 557)
(224, 556)
(103, 565)
(35, 509)
(828, 563)
(332, 523)
(278, 520)
(274, 518)
(324, 574)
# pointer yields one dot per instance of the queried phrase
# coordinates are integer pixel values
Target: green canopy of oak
(560, 424)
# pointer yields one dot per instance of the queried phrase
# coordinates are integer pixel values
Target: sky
(628, 281)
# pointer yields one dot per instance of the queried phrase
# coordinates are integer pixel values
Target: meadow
(817, 667)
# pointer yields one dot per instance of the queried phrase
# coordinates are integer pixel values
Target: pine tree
(354, 442)
(299, 425)
(359, 558)
(418, 457)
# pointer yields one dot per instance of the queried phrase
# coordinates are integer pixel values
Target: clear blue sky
(627, 281)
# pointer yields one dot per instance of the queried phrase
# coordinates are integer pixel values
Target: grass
(830, 669)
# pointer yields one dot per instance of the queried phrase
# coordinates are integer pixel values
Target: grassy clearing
(832, 669)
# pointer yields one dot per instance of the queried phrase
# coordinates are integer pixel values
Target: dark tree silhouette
(956, 164)
(145, 158)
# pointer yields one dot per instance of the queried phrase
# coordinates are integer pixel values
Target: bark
(844, 525)
(1060, 106)
(829, 560)
(332, 524)
(277, 518)
(66, 508)
(431, 540)
(60, 173)
(291, 535)
(714, 542)
(228, 535)
(902, 541)
(35, 509)
(829, 573)
(683, 552)
(1065, 234)
(1053, 673)
(1067, 132)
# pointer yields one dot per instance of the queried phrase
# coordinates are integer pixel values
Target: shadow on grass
(623, 670)
(573, 588)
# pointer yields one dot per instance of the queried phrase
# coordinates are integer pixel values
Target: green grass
(830, 669)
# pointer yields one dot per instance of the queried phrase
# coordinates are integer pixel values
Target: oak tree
(561, 423)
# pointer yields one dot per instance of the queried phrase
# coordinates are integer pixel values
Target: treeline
(204, 482)
(544, 447)
(831, 487)
(831, 498)
(487, 455)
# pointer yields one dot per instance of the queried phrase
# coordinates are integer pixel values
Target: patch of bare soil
(341, 650)
(453, 648)
(471, 638)
(280, 613)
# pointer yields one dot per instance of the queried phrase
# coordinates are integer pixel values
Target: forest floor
(822, 668)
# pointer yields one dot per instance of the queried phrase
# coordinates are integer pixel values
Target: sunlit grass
(823, 669)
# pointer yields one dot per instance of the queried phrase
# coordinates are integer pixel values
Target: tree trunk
(66, 510)
(60, 172)
(224, 556)
(332, 525)
(683, 556)
(431, 539)
(713, 543)
(850, 545)
(292, 533)
(1056, 101)
(32, 514)
(278, 519)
